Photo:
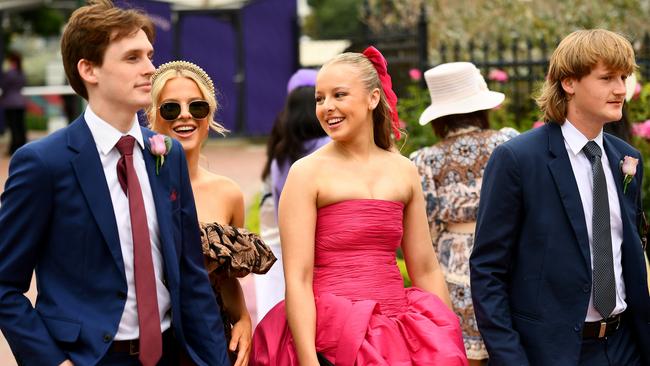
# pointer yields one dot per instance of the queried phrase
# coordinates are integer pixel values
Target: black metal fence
(514, 66)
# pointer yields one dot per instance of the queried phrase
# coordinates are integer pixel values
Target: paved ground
(238, 159)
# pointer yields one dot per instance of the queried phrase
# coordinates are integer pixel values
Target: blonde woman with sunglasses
(183, 107)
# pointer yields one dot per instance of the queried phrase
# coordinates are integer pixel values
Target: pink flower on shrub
(498, 75)
(538, 124)
(415, 74)
(637, 91)
(642, 129)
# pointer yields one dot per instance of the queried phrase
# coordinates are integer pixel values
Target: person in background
(108, 228)
(13, 102)
(183, 107)
(557, 271)
(451, 173)
(295, 134)
(344, 211)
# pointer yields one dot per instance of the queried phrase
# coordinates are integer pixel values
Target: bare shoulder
(223, 186)
(400, 162)
(310, 164)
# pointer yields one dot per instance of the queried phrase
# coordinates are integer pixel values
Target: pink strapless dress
(364, 315)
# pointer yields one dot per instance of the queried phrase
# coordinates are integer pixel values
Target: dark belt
(132, 347)
(602, 328)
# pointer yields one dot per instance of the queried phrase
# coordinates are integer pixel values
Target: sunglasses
(170, 111)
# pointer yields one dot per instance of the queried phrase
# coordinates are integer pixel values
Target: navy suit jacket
(530, 266)
(57, 218)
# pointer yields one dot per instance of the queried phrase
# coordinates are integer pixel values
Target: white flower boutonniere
(628, 167)
(160, 145)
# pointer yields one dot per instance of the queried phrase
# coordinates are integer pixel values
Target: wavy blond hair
(174, 69)
(575, 57)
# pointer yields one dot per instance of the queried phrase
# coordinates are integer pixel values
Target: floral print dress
(451, 172)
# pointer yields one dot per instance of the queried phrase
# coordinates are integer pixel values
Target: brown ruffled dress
(231, 252)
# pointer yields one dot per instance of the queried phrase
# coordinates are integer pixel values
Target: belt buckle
(603, 328)
(134, 350)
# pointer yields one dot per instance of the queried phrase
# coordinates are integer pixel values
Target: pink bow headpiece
(380, 64)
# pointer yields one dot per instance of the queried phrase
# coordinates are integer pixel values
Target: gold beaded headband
(188, 66)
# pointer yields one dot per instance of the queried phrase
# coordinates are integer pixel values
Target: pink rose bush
(538, 124)
(637, 91)
(415, 74)
(642, 129)
(498, 75)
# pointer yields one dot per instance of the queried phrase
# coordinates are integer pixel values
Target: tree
(334, 19)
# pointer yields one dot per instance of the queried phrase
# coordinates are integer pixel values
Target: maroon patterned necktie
(145, 279)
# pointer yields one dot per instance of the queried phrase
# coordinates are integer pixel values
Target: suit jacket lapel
(92, 182)
(615, 158)
(160, 193)
(565, 181)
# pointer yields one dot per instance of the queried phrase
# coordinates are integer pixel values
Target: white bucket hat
(630, 86)
(457, 88)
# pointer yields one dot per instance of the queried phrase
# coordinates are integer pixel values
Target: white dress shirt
(574, 141)
(106, 136)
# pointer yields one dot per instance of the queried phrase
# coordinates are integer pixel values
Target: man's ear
(567, 85)
(86, 70)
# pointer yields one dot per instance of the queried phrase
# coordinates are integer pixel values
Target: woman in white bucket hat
(451, 173)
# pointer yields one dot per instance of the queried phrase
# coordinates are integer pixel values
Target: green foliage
(334, 19)
(36, 123)
(43, 21)
(464, 20)
(405, 275)
(252, 223)
(638, 111)
(409, 109)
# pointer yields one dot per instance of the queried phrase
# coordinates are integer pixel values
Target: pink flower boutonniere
(628, 167)
(160, 145)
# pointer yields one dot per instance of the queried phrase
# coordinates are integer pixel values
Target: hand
(66, 363)
(241, 340)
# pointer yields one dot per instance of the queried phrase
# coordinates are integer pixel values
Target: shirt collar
(105, 135)
(576, 140)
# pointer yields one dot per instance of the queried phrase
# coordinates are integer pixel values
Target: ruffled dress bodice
(355, 249)
(364, 315)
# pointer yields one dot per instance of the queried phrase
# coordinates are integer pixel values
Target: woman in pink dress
(343, 212)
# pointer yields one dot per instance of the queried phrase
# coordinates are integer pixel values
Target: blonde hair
(184, 69)
(575, 57)
(381, 116)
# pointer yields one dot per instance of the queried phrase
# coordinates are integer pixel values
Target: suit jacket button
(121, 295)
(586, 288)
(107, 337)
(576, 328)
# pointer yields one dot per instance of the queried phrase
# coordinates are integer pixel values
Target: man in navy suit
(557, 270)
(68, 212)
